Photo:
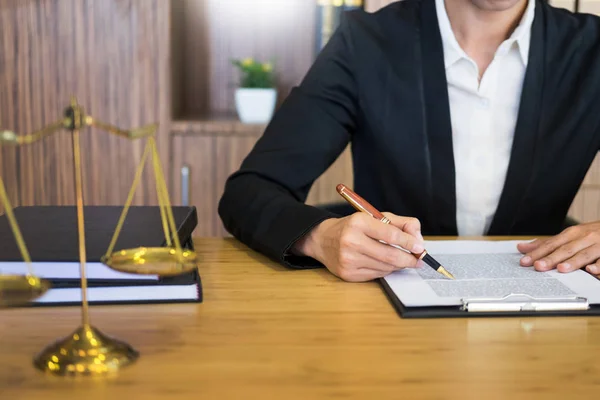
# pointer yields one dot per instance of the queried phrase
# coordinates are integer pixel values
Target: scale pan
(163, 261)
(21, 289)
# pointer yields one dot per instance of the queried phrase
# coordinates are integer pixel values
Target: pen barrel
(427, 259)
(359, 203)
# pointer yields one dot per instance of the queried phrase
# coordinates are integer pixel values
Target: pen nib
(447, 274)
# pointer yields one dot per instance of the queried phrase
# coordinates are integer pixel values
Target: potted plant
(256, 96)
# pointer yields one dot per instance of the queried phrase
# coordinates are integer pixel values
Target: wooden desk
(264, 332)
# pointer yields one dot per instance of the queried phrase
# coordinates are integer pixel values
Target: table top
(264, 331)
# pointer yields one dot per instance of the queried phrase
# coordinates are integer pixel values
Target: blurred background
(210, 72)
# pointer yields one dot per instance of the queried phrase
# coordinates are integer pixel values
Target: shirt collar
(453, 52)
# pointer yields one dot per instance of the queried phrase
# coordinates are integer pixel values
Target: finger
(359, 243)
(355, 260)
(526, 247)
(566, 252)
(361, 275)
(389, 255)
(390, 234)
(548, 246)
(407, 224)
(593, 269)
(580, 259)
(354, 242)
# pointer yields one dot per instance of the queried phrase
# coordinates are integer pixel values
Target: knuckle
(571, 230)
(544, 249)
(400, 238)
(585, 254)
(407, 241)
(414, 221)
(569, 249)
(392, 236)
(593, 236)
(390, 257)
(548, 244)
(591, 253)
(575, 230)
(356, 221)
(346, 240)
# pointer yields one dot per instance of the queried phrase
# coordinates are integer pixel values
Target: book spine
(329, 14)
(328, 19)
(353, 5)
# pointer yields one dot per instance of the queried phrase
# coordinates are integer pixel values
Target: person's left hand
(574, 248)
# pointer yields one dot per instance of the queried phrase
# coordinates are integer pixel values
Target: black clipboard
(463, 311)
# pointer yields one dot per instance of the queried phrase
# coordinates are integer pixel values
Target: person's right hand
(349, 247)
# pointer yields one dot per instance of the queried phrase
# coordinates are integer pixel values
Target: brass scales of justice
(87, 351)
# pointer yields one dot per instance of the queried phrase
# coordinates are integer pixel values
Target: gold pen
(361, 204)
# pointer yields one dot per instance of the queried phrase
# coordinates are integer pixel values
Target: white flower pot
(255, 106)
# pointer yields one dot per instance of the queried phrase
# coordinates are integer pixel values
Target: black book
(50, 234)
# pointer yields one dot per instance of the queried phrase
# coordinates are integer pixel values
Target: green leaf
(255, 74)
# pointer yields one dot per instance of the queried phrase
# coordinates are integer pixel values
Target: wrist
(309, 244)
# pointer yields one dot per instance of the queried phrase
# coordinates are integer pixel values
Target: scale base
(86, 352)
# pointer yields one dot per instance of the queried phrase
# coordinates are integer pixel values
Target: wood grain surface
(113, 55)
(265, 332)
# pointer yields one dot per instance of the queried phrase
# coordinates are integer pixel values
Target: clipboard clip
(516, 302)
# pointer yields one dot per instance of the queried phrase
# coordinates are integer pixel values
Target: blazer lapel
(523, 153)
(437, 124)
(407, 119)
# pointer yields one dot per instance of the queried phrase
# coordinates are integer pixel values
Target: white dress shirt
(484, 116)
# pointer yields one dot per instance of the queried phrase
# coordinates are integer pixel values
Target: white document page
(122, 294)
(485, 269)
(69, 270)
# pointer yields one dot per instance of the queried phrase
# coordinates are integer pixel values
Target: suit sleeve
(263, 202)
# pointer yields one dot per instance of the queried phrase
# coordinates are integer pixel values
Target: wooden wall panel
(216, 31)
(211, 158)
(214, 151)
(586, 206)
(567, 4)
(178, 54)
(374, 5)
(323, 190)
(589, 6)
(113, 55)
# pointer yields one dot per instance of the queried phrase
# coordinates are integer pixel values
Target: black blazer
(380, 85)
